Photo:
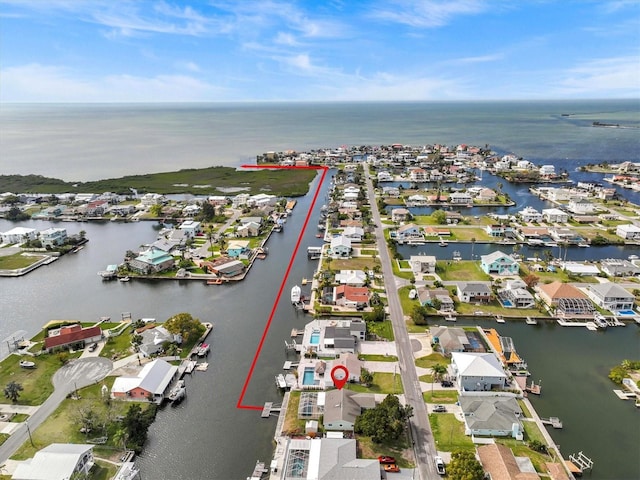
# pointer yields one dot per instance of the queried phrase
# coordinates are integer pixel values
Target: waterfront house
(409, 232)
(555, 215)
(486, 195)
(262, 200)
(452, 217)
(499, 263)
(496, 230)
(418, 175)
(71, 336)
(327, 459)
(191, 210)
(191, 228)
(53, 237)
(566, 299)
(225, 267)
(391, 192)
(477, 371)
(150, 199)
(150, 384)
(565, 235)
(516, 295)
(355, 278)
(499, 463)
(455, 339)
(460, 198)
(217, 200)
(422, 263)
(619, 268)
(240, 200)
(97, 208)
(417, 200)
(628, 232)
(57, 461)
(154, 339)
(491, 416)
(579, 268)
(351, 297)
(428, 297)
(50, 212)
(400, 215)
(354, 234)
(547, 171)
(385, 176)
(340, 247)
(19, 235)
(610, 296)
(152, 261)
(474, 292)
(343, 406)
(530, 215)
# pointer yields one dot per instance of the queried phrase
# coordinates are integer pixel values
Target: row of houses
(50, 237)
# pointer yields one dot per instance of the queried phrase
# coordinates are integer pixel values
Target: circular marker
(339, 375)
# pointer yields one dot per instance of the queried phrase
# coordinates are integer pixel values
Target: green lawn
(430, 360)
(382, 383)
(520, 449)
(463, 270)
(449, 433)
(440, 396)
(378, 358)
(292, 425)
(117, 347)
(406, 303)
(407, 275)
(36, 382)
(381, 329)
(558, 275)
(368, 449)
(17, 260)
(495, 308)
(358, 263)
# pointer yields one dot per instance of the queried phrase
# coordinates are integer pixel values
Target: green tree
(366, 377)
(156, 210)
(464, 466)
(12, 391)
(376, 315)
(419, 315)
(185, 325)
(208, 212)
(384, 423)
(438, 371)
(439, 216)
(136, 424)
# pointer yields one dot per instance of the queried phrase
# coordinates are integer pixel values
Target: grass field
(382, 383)
(449, 433)
(18, 260)
(463, 270)
(430, 360)
(36, 382)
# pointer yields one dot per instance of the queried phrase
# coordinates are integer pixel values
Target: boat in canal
(296, 294)
(531, 321)
(500, 319)
(178, 392)
(203, 350)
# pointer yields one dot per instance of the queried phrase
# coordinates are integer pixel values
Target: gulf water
(207, 436)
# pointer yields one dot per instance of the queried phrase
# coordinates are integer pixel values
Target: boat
(178, 392)
(600, 320)
(295, 294)
(214, 281)
(203, 349)
(500, 319)
(633, 257)
(443, 243)
(124, 279)
(531, 321)
(583, 245)
(27, 364)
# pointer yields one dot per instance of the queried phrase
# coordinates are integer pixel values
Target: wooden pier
(269, 408)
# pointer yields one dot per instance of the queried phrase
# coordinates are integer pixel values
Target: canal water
(207, 437)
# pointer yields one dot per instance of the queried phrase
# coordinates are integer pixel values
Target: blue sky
(336, 50)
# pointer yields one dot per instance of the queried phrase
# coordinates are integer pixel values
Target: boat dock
(295, 332)
(555, 422)
(578, 463)
(258, 471)
(288, 365)
(269, 408)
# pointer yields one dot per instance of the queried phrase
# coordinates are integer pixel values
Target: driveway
(81, 372)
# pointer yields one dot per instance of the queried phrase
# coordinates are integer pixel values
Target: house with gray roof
(150, 384)
(610, 296)
(619, 268)
(455, 339)
(153, 340)
(428, 296)
(343, 406)
(327, 459)
(474, 292)
(57, 461)
(477, 371)
(498, 416)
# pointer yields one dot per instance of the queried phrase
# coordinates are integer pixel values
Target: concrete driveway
(81, 372)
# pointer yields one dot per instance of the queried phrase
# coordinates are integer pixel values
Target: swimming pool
(315, 339)
(307, 377)
(626, 312)
(507, 303)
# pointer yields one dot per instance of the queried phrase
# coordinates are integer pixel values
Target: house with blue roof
(151, 261)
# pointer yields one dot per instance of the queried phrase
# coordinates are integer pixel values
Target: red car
(391, 467)
(386, 459)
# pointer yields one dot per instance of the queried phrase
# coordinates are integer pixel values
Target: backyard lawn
(463, 270)
(449, 433)
(18, 260)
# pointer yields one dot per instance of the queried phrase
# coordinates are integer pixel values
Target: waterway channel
(207, 437)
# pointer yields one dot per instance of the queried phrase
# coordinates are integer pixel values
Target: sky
(315, 50)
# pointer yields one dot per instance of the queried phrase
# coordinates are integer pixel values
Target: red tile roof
(72, 334)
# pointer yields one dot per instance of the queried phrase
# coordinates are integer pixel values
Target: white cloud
(45, 83)
(427, 13)
(610, 76)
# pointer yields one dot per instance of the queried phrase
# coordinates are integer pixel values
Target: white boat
(124, 279)
(600, 320)
(295, 294)
(27, 364)
(633, 257)
(531, 321)
(203, 349)
(500, 319)
(178, 392)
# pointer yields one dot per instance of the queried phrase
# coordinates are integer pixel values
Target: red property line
(284, 279)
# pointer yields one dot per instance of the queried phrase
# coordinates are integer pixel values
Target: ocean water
(80, 142)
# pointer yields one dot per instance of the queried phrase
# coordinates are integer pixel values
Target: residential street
(424, 445)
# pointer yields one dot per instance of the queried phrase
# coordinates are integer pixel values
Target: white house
(547, 170)
(385, 177)
(354, 234)
(409, 232)
(57, 461)
(53, 237)
(610, 296)
(423, 263)
(474, 292)
(191, 228)
(191, 210)
(581, 206)
(477, 371)
(356, 278)
(628, 232)
(150, 199)
(19, 235)
(340, 247)
(553, 215)
(400, 214)
(460, 198)
(530, 215)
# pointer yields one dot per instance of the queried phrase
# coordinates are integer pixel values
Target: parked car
(446, 383)
(391, 467)
(439, 408)
(439, 465)
(93, 347)
(386, 459)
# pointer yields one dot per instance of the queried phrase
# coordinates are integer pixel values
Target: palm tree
(438, 371)
(12, 391)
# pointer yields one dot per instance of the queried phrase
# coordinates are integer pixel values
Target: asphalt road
(76, 374)
(424, 445)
